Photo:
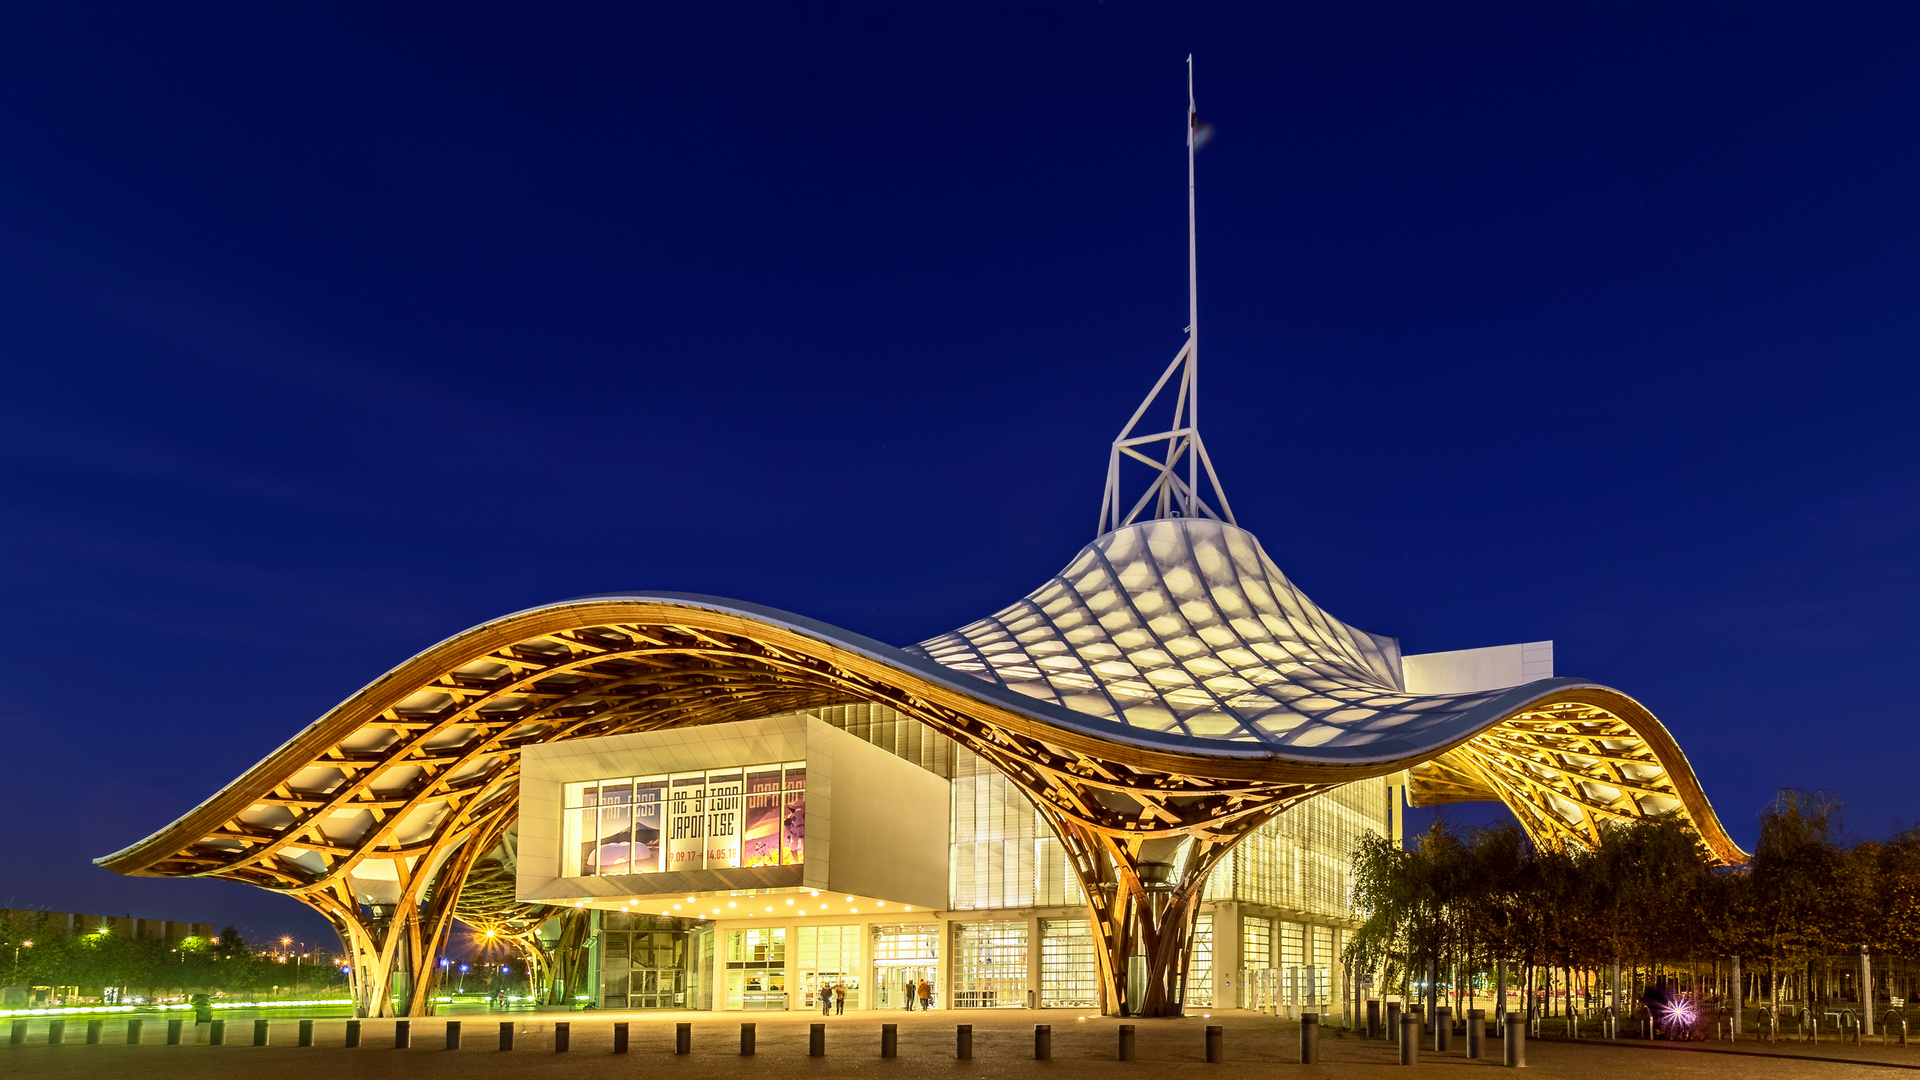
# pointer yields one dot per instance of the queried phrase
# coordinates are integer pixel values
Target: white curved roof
(1185, 626)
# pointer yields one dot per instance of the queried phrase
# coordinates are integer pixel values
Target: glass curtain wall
(1256, 961)
(1200, 963)
(1068, 971)
(643, 963)
(756, 969)
(829, 956)
(904, 953)
(686, 821)
(1294, 979)
(1004, 855)
(1302, 859)
(989, 965)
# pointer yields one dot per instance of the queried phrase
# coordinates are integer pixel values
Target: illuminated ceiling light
(909, 907)
(848, 899)
(879, 903)
(731, 904)
(856, 911)
(816, 892)
(769, 907)
(716, 911)
(676, 907)
(789, 903)
(823, 907)
(689, 899)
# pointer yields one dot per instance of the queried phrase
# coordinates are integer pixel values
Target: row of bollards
(1406, 1026)
(682, 1037)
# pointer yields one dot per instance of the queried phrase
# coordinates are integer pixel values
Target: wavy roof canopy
(1168, 648)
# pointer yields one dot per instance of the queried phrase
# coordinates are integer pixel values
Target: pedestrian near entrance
(826, 999)
(839, 999)
(913, 991)
(926, 995)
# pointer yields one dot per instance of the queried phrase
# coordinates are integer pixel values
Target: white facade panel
(894, 814)
(1494, 667)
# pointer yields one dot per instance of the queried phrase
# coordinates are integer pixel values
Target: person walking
(826, 999)
(926, 994)
(913, 990)
(839, 999)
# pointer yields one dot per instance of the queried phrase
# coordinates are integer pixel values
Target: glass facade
(723, 818)
(1302, 860)
(756, 968)
(989, 965)
(829, 956)
(1200, 962)
(904, 954)
(1003, 854)
(1069, 974)
(1017, 936)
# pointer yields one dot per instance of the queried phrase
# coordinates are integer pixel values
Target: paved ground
(1257, 1048)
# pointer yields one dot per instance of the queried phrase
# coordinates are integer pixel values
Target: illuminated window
(687, 821)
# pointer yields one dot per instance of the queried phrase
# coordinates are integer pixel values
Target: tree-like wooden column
(405, 937)
(1144, 894)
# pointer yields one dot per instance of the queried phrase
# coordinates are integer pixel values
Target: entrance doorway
(642, 968)
(899, 981)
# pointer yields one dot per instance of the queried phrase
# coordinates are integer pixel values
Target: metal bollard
(1373, 1018)
(1043, 1042)
(620, 1037)
(134, 1027)
(17, 1035)
(506, 1034)
(1309, 1038)
(402, 1034)
(1126, 1042)
(93, 1031)
(353, 1034)
(1409, 1038)
(1442, 1030)
(56, 1032)
(889, 1040)
(683, 1038)
(1516, 1041)
(1216, 1044)
(563, 1037)
(217, 1033)
(1393, 1021)
(306, 1033)
(1476, 1032)
(260, 1033)
(816, 1040)
(174, 1028)
(963, 1042)
(453, 1034)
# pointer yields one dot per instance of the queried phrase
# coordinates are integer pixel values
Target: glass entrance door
(757, 969)
(897, 982)
(642, 968)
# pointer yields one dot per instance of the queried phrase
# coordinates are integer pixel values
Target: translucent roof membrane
(1184, 625)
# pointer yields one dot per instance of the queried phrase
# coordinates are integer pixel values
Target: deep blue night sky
(331, 330)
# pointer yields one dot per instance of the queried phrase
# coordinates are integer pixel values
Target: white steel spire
(1170, 495)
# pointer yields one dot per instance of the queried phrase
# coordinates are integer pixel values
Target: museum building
(707, 858)
(1136, 789)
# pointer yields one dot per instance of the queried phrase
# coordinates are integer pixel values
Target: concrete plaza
(1255, 1046)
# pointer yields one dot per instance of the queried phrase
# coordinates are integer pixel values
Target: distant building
(166, 930)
